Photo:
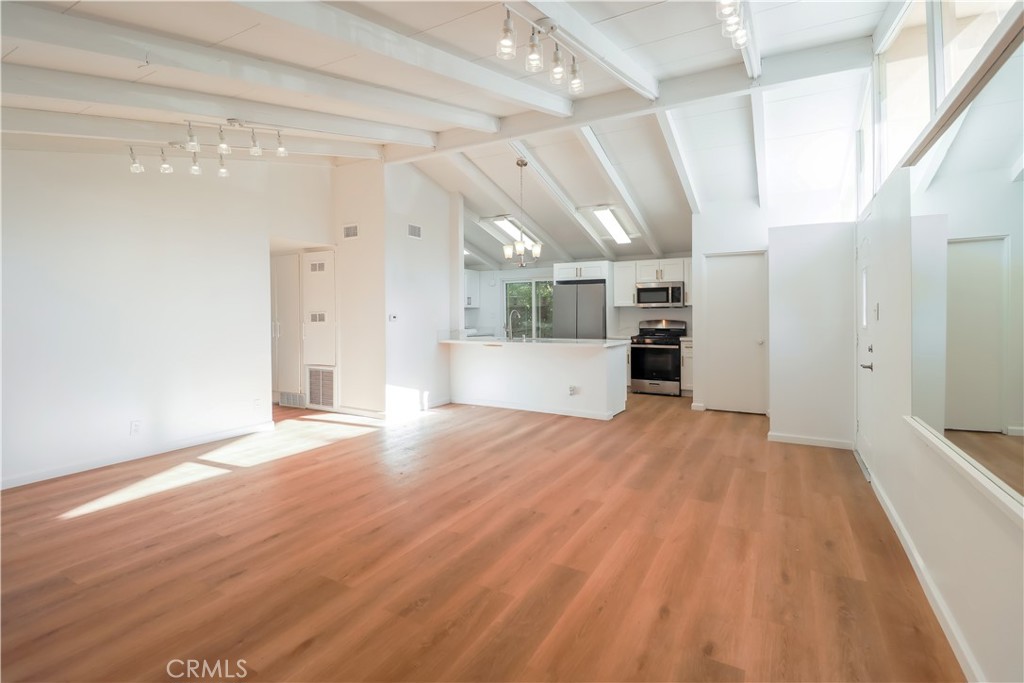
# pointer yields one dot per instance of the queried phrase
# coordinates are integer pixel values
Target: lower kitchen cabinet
(686, 370)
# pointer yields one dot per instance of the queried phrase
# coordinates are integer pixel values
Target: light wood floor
(474, 544)
(1000, 454)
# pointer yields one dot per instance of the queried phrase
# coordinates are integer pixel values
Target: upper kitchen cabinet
(664, 270)
(624, 283)
(587, 270)
(472, 288)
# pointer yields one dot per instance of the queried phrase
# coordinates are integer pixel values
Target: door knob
(760, 342)
(868, 366)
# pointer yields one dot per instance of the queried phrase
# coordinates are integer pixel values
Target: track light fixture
(136, 165)
(255, 150)
(506, 48)
(165, 167)
(534, 62)
(222, 147)
(192, 145)
(733, 24)
(196, 168)
(223, 171)
(282, 151)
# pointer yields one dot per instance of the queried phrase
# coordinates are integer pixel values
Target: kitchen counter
(577, 377)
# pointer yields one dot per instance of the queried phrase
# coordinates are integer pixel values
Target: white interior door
(867, 311)
(976, 286)
(287, 324)
(736, 350)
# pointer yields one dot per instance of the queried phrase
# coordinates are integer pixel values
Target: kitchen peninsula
(576, 377)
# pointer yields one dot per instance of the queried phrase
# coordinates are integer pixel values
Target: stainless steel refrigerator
(579, 310)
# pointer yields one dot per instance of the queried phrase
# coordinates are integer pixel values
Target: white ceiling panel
(783, 27)
(581, 179)
(654, 23)
(208, 23)
(809, 163)
(282, 42)
(76, 61)
(412, 18)
(596, 12)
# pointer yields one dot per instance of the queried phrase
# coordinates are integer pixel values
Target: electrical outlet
(134, 427)
(257, 403)
(573, 390)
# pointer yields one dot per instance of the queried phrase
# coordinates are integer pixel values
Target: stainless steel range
(656, 357)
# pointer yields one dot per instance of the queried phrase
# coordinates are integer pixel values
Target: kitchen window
(528, 308)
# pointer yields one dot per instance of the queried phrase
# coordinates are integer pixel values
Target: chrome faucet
(508, 330)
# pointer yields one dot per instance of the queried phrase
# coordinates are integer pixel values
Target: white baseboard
(75, 468)
(552, 411)
(346, 410)
(1014, 431)
(697, 406)
(956, 638)
(810, 441)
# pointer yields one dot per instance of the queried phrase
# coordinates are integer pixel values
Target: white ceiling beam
(342, 26)
(1018, 170)
(750, 52)
(475, 253)
(889, 25)
(557, 193)
(60, 124)
(674, 143)
(932, 162)
(760, 158)
(35, 82)
(589, 43)
(506, 203)
(499, 235)
(22, 21)
(729, 81)
(597, 151)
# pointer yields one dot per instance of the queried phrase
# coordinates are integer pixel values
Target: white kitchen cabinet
(587, 270)
(624, 283)
(687, 280)
(664, 270)
(686, 371)
(472, 288)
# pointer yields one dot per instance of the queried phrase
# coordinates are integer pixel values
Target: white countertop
(490, 341)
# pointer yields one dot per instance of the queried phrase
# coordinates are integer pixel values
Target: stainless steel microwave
(659, 294)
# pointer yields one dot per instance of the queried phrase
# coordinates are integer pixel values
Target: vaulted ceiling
(672, 119)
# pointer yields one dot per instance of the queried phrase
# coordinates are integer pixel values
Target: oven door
(655, 369)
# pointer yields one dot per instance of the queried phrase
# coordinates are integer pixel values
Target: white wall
(139, 297)
(928, 245)
(811, 316)
(418, 287)
(966, 543)
(359, 200)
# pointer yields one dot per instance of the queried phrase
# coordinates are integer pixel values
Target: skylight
(611, 225)
(513, 230)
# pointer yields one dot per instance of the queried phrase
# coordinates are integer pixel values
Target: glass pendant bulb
(536, 250)
(740, 38)
(255, 150)
(282, 151)
(136, 165)
(575, 80)
(557, 67)
(196, 169)
(223, 171)
(506, 48)
(165, 167)
(520, 247)
(192, 145)
(727, 8)
(507, 249)
(732, 24)
(223, 147)
(535, 56)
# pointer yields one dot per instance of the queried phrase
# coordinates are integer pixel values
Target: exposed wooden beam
(674, 143)
(932, 162)
(557, 193)
(337, 24)
(750, 52)
(729, 81)
(589, 43)
(889, 24)
(760, 158)
(597, 151)
(96, 37)
(60, 124)
(35, 82)
(507, 204)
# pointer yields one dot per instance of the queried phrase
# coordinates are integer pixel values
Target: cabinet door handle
(634, 297)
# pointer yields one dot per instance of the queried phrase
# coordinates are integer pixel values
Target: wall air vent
(350, 232)
(316, 267)
(292, 400)
(321, 387)
(415, 231)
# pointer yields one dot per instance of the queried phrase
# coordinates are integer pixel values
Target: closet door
(286, 315)
(319, 345)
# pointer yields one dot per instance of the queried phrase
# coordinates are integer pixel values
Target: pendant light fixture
(516, 252)
(255, 150)
(575, 80)
(196, 169)
(733, 25)
(192, 144)
(136, 165)
(165, 166)
(222, 147)
(506, 48)
(534, 55)
(223, 171)
(557, 67)
(282, 151)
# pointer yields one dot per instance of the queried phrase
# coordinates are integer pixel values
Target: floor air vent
(292, 400)
(321, 387)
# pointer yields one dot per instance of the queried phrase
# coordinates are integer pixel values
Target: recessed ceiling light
(611, 225)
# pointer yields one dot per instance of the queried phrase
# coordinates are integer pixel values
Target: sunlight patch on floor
(180, 475)
(289, 438)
